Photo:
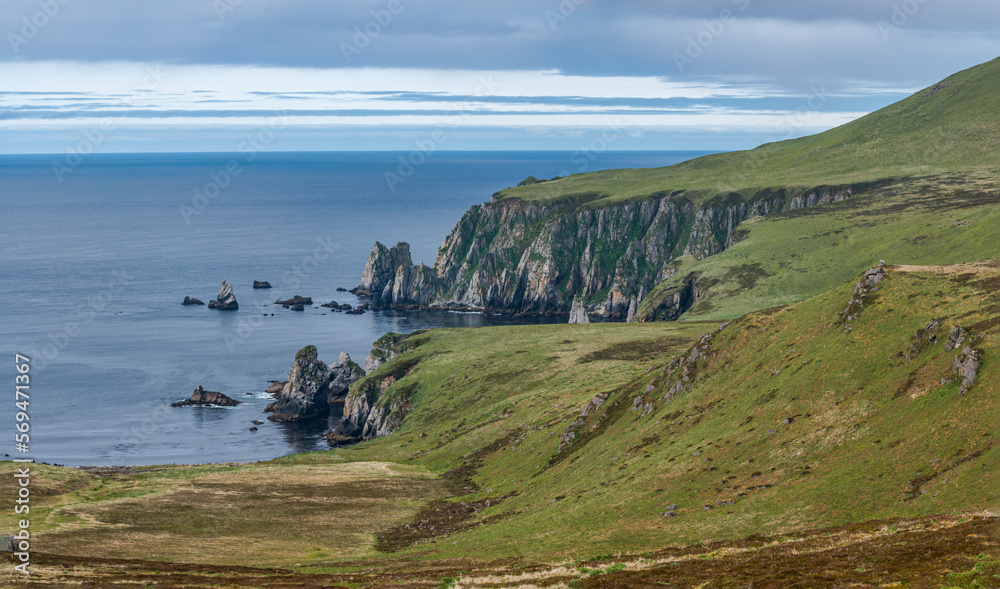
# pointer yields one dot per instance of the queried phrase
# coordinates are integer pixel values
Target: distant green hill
(950, 126)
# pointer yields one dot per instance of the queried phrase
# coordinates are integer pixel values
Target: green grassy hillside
(785, 422)
(951, 126)
(788, 416)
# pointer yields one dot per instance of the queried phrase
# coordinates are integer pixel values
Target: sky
(110, 76)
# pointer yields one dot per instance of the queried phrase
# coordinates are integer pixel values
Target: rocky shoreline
(314, 387)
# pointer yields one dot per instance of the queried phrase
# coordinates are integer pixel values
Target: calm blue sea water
(94, 268)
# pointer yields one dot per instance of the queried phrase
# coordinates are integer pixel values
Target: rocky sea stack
(312, 386)
(202, 397)
(392, 281)
(261, 284)
(190, 301)
(226, 300)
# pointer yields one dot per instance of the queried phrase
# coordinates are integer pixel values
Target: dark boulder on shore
(191, 301)
(294, 301)
(202, 397)
(226, 300)
(261, 284)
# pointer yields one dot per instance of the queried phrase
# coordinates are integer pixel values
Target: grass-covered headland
(785, 434)
(805, 423)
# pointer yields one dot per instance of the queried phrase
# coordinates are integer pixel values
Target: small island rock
(191, 301)
(202, 397)
(261, 284)
(226, 300)
(296, 300)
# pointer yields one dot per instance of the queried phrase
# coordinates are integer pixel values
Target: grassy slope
(857, 425)
(289, 507)
(791, 256)
(951, 126)
(497, 399)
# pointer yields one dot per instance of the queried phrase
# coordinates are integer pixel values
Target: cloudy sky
(206, 75)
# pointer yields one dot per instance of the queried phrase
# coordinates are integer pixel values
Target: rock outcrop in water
(294, 301)
(526, 258)
(191, 301)
(202, 397)
(261, 284)
(312, 385)
(392, 281)
(226, 300)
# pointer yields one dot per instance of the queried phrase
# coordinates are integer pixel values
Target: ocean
(98, 257)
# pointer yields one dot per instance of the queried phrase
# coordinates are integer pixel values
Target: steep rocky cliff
(383, 350)
(518, 257)
(377, 404)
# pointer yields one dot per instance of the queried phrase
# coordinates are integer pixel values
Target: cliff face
(517, 257)
(376, 405)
